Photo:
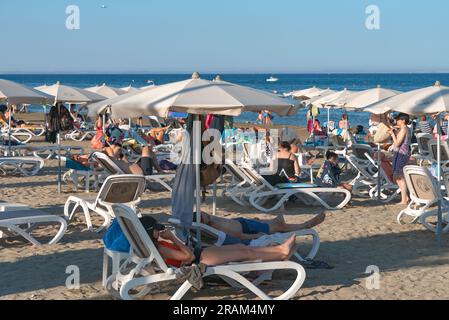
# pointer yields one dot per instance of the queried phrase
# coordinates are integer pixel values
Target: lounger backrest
(420, 183)
(359, 151)
(136, 235)
(107, 163)
(423, 142)
(230, 165)
(358, 167)
(256, 177)
(433, 145)
(122, 189)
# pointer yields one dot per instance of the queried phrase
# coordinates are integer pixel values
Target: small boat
(272, 79)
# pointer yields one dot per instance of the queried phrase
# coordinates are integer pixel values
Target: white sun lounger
(27, 166)
(218, 237)
(264, 190)
(21, 221)
(145, 255)
(112, 168)
(123, 189)
(424, 195)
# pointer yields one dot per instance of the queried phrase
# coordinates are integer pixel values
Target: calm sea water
(286, 83)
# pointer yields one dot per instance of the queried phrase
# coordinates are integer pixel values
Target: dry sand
(364, 234)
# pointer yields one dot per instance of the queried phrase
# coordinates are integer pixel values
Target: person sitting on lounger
(177, 254)
(143, 167)
(243, 230)
(288, 168)
(329, 173)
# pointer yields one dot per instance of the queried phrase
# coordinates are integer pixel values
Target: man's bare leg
(228, 226)
(279, 225)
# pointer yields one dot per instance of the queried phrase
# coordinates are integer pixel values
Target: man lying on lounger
(243, 230)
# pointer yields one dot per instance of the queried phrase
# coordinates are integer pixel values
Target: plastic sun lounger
(241, 185)
(13, 221)
(27, 166)
(112, 168)
(145, 254)
(217, 237)
(424, 194)
(265, 190)
(389, 189)
(123, 189)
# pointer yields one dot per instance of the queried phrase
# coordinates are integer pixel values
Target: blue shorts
(253, 226)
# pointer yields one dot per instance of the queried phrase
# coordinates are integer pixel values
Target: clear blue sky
(232, 36)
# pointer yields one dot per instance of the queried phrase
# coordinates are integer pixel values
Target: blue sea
(286, 83)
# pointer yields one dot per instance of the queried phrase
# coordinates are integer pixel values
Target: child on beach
(329, 173)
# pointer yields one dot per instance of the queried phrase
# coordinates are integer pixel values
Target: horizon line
(213, 73)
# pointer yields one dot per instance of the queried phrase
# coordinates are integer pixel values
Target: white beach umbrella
(107, 91)
(306, 93)
(430, 100)
(362, 99)
(332, 99)
(323, 94)
(13, 93)
(67, 94)
(197, 97)
(129, 89)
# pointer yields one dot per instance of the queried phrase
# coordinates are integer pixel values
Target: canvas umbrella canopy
(359, 100)
(13, 93)
(67, 94)
(195, 96)
(323, 94)
(129, 89)
(429, 100)
(106, 91)
(198, 97)
(332, 99)
(306, 93)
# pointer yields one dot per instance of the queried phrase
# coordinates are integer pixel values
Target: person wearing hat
(175, 253)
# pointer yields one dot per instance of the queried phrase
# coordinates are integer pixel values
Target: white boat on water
(272, 79)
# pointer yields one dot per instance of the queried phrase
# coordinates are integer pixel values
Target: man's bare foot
(287, 247)
(319, 219)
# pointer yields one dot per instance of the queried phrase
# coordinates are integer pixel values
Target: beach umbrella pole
(440, 212)
(9, 130)
(197, 162)
(379, 168)
(58, 137)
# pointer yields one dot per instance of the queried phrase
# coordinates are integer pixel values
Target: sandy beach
(363, 234)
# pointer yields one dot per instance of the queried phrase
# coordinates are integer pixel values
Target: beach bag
(115, 239)
(382, 134)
